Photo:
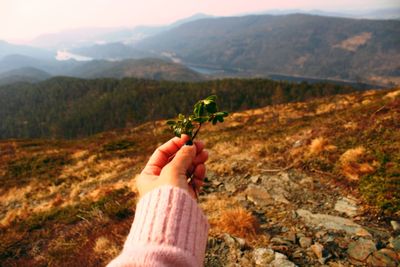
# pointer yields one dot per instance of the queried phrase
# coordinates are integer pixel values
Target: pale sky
(26, 19)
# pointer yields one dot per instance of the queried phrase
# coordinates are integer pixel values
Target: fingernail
(189, 143)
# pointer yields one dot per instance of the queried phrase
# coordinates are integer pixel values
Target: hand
(170, 164)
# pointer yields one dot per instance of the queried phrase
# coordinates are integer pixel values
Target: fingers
(199, 146)
(199, 172)
(183, 160)
(200, 157)
(163, 153)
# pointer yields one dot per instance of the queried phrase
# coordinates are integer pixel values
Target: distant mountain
(85, 37)
(51, 66)
(27, 74)
(154, 69)
(10, 49)
(379, 14)
(304, 45)
(144, 68)
(111, 51)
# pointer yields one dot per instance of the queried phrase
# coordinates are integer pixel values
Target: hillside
(51, 66)
(305, 183)
(7, 49)
(27, 74)
(111, 51)
(68, 107)
(296, 44)
(146, 68)
(149, 68)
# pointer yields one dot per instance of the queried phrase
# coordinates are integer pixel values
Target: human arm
(169, 228)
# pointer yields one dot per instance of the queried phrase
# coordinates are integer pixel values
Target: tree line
(64, 107)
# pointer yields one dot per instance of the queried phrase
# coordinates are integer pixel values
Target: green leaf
(211, 107)
(211, 98)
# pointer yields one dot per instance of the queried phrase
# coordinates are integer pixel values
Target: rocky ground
(306, 222)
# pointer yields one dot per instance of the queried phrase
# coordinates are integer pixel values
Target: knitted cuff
(170, 216)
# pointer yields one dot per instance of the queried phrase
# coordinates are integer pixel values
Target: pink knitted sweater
(169, 229)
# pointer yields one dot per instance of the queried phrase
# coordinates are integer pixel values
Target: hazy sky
(26, 19)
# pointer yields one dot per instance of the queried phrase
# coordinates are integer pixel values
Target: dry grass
(104, 246)
(352, 164)
(226, 215)
(320, 144)
(392, 95)
(238, 222)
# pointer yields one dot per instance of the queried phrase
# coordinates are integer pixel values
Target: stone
(258, 195)
(360, 250)
(305, 242)
(395, 244)
(279, 186)
(254, 179)
(281, 261)
(263, 256)
(298, 143)
(230, 187)
(383, 257)
(395, 225)
(346, 206)
(216, 183)
(291, 236)
(281, 241)
(233, 241)
(332, 222)
(318, 249)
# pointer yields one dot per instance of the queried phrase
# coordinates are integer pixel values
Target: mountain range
(293, 45)
(296, 44)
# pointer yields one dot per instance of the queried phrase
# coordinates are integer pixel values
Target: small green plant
(205, 110)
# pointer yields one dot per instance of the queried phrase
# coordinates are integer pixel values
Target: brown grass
(352, 164)
(320, 144)
(106, 247)
(226, 215)
(238, 222)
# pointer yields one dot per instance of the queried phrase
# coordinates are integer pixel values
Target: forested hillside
(69, 107)
(295, 44)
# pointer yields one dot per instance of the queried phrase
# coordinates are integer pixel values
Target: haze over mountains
(299, 45)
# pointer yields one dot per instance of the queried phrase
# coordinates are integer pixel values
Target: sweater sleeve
(169, 229)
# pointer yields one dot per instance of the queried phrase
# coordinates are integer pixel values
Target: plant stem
(195, 133)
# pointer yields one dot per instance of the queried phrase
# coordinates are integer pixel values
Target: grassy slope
(59, 199)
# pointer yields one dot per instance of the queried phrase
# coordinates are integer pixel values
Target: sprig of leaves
(204, 111)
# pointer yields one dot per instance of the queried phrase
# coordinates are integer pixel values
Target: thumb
(183, 159)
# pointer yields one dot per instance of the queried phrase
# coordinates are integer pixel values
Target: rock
(216, 183)
(318, 249)
(254, 179)
(360, 250)
(395, 225)
(347, 206)
(281, 261)
(258, 195)
(281, 241)
(305, 242)
(230, 187)
(263, 256)
(298, 143)
(233, 241)
(332, 222)
(395, 244)
(291, 236)
(383, 257)
(279, 186)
